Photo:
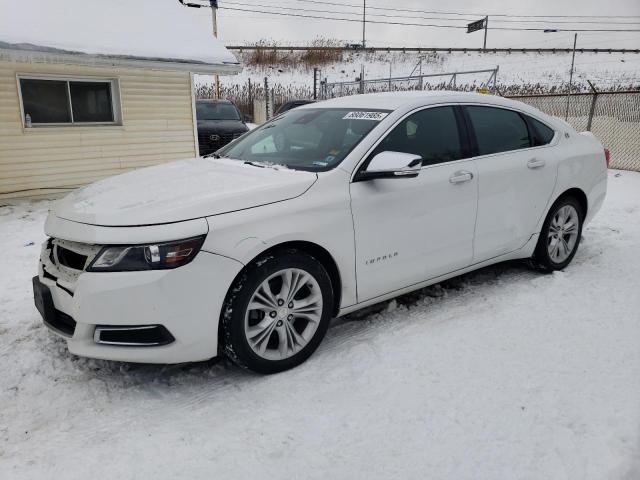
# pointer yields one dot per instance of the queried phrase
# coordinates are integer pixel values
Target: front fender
(321, 216)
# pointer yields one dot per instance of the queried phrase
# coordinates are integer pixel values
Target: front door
(408, 230)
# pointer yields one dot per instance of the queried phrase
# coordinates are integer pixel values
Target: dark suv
(219, 122)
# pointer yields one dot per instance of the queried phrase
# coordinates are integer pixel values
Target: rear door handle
(536, 163)
(461, 177)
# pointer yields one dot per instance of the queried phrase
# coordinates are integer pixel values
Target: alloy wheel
(563, 233)
(283, 314)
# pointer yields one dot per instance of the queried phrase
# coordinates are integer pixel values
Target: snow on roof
(159, 31)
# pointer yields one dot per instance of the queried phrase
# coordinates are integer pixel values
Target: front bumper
(186, 301)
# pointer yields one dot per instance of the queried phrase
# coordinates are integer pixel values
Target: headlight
(127, 258)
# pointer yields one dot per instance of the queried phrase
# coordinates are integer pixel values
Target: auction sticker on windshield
(376, 116)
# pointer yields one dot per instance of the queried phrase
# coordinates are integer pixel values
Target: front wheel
(560, 235)
(277, 312)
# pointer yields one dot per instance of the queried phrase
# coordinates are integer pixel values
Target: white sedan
(324, 210)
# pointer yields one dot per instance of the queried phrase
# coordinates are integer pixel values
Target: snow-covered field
(500, 374)
(532, 71)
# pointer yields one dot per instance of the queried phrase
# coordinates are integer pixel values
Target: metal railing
(412, 82)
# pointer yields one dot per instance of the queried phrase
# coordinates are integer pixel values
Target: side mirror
(246, 119)
(392, 165)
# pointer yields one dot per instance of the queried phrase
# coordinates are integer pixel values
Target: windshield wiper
(255, 164)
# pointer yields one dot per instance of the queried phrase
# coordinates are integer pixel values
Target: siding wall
(157, 126)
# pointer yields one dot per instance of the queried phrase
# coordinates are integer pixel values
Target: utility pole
(486, 26)
(214, 9)
(214, 24)
(364, 23)
(573, 58)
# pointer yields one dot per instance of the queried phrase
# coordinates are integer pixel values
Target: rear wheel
(560, 235)
(277, 312)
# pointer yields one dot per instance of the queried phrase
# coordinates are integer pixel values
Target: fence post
(266, 98)
(315, 83)
(593, 105)
(250, 96)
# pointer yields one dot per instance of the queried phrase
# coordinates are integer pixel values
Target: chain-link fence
(470, 80)
(613, 117)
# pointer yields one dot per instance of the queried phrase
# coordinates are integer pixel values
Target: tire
(558, 241)
(266, 326)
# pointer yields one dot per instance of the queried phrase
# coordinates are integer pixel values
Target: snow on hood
(179, 191)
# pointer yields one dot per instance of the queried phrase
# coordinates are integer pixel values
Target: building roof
(155, 33)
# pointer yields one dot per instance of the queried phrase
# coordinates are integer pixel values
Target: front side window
(49, 101)
(431, 133)
(216, 111)
(498, 129)
(314, 139)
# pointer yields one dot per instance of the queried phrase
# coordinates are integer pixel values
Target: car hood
(181, 190)
(221, 126)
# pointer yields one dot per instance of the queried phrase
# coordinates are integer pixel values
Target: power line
(244, 4)
(325, 11)
(440, 12)
(464, 14)
(342, 19)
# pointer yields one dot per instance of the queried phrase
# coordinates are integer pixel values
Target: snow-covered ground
(500, 374)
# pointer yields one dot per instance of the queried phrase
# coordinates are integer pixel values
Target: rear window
(498, 129)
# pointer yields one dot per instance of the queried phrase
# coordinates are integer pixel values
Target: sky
(240, 28)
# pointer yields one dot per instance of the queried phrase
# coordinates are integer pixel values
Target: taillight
(607, 156)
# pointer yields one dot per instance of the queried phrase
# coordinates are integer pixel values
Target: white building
(92, 88)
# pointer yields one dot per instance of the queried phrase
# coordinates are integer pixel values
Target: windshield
(312, 139)
(216, 111)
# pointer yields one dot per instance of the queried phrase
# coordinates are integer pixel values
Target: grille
(70, 259)
(209, 145)
(70, 256)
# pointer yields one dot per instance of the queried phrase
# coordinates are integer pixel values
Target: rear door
(517, 171)
(408, 230)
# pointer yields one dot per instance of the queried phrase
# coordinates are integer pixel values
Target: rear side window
(498, 130)
(540, 133)
(431, 133)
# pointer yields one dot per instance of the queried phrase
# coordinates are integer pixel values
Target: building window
(62, 101)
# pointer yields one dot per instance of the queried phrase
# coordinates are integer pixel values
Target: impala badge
(383, 258)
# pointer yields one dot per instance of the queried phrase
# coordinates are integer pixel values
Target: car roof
(397, 100)
(416, 99)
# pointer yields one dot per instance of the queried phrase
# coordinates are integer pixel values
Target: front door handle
(461, 177)
(536, 163)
